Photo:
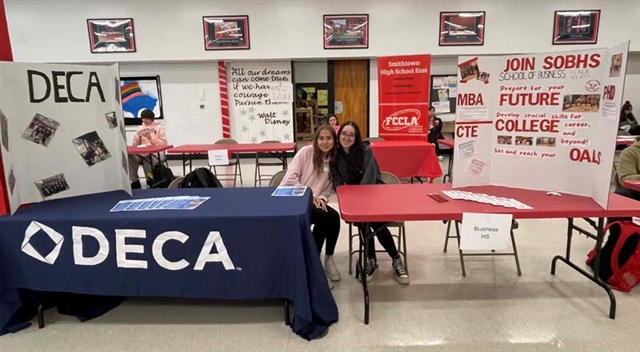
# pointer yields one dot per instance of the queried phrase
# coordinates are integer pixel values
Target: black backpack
(200, 178)
(161, 177)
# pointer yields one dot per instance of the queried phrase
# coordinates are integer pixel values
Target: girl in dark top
(627, 121)
(356, 165)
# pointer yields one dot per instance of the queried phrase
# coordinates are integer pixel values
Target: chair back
(226, 141)
(389, 178)
(176, 182)
(277, 178)
(270, 142)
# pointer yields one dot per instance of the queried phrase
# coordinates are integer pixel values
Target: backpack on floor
(620, 256)
(160, 177)
(201, 177)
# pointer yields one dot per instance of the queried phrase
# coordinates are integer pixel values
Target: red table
(626, 140)
(451, 144)
(149, 151)
(406, 202)
(407, 159)
(632, 185)
(191, 151)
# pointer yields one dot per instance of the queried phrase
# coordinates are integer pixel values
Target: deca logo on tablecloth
(124, 247)
(402, 119)
(35, 227)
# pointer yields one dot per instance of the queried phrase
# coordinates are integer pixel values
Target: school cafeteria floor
(491, 309)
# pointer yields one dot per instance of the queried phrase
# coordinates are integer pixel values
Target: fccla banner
(540, 121)
(403, 96)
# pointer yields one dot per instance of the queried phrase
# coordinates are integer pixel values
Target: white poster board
(261, 101)
(62, 131)
(540, 121)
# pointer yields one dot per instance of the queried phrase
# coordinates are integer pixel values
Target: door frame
(331, 93)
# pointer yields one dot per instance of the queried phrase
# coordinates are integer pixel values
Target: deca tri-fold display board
(62, 131)
(403, 96)
(540, 121)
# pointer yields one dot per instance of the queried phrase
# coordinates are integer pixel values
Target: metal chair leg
(446, 239)
(40, 315)
(350, 249)
(464, 271)
(403, 230)
(515, 253)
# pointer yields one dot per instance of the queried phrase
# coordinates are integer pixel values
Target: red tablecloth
(625, 140)
(633, 185)
(407, 159)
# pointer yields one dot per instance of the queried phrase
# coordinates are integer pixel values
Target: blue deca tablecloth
(241, 244)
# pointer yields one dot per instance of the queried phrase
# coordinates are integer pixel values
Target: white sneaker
(331, 269)
(440, 157)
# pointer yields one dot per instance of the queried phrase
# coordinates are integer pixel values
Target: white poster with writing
(62, 131)
(539, 121)
(261, 101)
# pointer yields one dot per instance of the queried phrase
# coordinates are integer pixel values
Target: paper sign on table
(485, 231)
(289, 191)
(218, 157)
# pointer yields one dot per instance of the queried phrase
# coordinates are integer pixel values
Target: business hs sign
(403, 96)
(124, 247)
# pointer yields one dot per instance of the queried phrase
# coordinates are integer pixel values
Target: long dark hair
(355, 156)
(624, 117)
(318, 157)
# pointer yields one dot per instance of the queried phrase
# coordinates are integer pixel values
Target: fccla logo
(402, 119)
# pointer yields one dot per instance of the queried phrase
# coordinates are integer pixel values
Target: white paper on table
(485, 231)
(218, 157)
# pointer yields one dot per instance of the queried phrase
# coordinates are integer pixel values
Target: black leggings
(326, 226)
(385, 239)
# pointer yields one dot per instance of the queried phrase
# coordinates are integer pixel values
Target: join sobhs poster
(540, 121)
(60, 131)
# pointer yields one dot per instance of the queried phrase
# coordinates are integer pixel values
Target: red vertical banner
(5, 55)
(224, 99)
(403, 97)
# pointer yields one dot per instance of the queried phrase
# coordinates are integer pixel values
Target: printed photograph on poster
(91, 148)
(226, 32)
(483, 77)
(112, 121)
(581, 103)
(111, 35)
(576, 27)
(546, 141)
(520, 140)
(41, 130)
(467, 149)
(4, 127)
(461, 28)
(125, 163)
(11, 180)
(505, 140)
(117, 93)
(346, 31)
(123, 131)
(469, 70)
(52, 185)
(616, 65)
(476, 167)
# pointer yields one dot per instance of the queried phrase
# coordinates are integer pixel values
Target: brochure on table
(62, 131)
(540, 121)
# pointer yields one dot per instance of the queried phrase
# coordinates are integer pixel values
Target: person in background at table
(333, 121)
(628, 169)
(150, 133)
(356, 165)
(435, 128)
(311, 167)
(628, 122)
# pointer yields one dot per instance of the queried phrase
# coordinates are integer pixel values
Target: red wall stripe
(224, 99)
(5, 55)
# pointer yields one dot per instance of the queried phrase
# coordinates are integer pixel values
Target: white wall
(56, 30)
(185, 87)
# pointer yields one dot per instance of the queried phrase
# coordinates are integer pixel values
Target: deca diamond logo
(35, 227)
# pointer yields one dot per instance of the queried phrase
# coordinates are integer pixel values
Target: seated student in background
(150, 133)
(628, 122)
(628, 169)
(333, 121)
(356, 165)
(435, 128)
(310, 167)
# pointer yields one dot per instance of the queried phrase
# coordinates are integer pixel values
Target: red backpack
(620, 256)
